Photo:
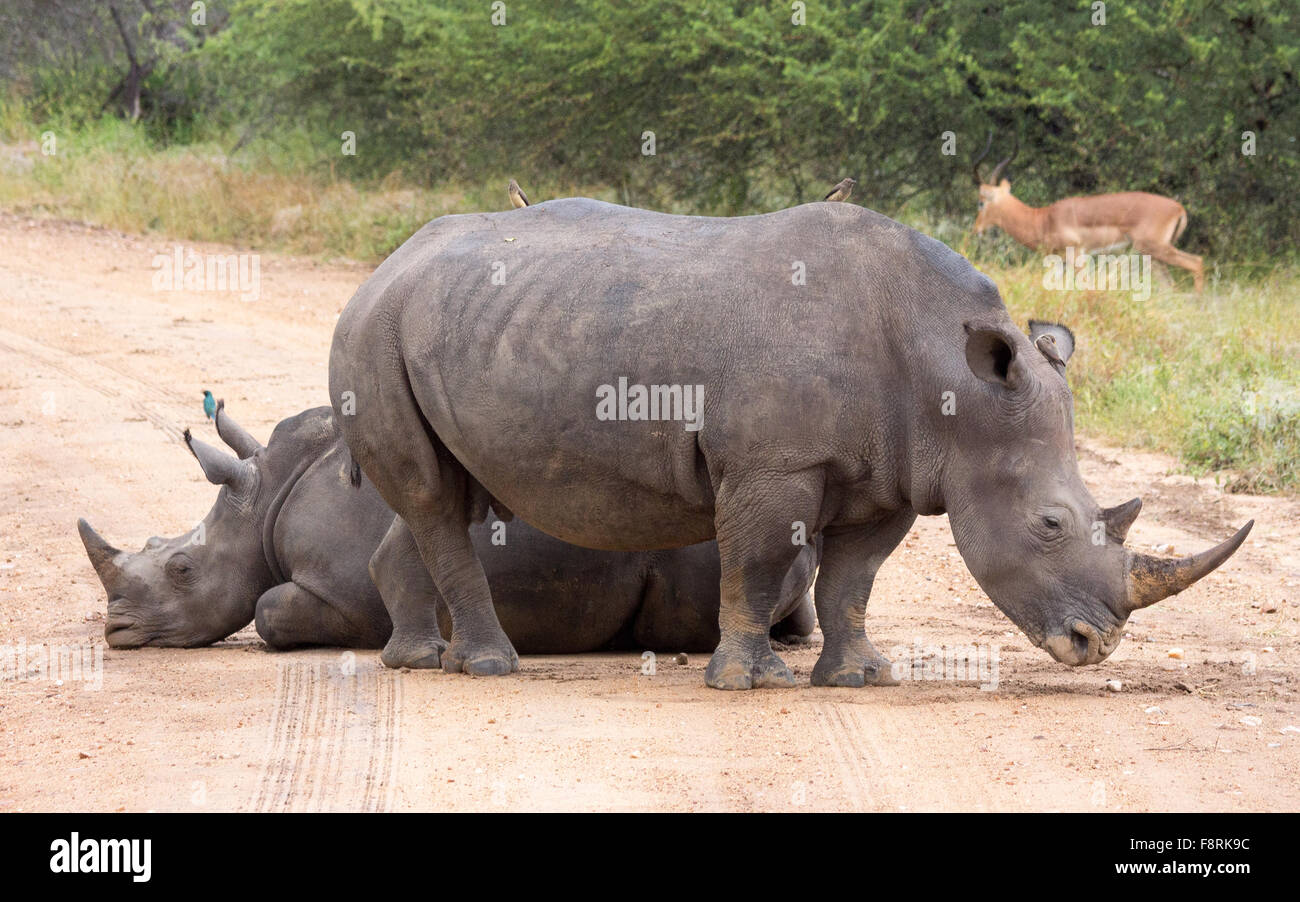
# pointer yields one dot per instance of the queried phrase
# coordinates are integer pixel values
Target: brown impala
(1149, 222)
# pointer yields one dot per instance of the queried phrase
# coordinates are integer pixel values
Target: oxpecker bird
(841, 191)
(517, 196)
(209, 404)
(1047, 345)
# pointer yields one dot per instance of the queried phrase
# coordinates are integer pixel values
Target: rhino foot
(480, 659)
(736, 669)
(416, 653)
(855, 667)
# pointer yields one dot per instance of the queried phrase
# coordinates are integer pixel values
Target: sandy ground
(99, 372)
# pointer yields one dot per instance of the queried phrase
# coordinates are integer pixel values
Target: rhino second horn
(103, 556)
(1153, 578)
(235, 435)
(1119, 518)
(221, 468)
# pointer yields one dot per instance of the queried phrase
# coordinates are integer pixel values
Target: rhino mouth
(1081, 644)
(122, 630)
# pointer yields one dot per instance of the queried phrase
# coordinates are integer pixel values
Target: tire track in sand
(108, 381)
(333, 738)
(856, 757)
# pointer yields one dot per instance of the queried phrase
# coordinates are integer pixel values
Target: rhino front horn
(103, 556)
(1153, 578)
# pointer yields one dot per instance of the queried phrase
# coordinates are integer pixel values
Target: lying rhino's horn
(220, 467)
(1152, 578)
(102, 555)
(1119, 518)
(234, 435)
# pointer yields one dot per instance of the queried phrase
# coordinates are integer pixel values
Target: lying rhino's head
(1046, 553)
(203, 585)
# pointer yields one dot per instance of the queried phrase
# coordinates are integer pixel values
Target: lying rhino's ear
(233, 434)
(221, 468)
(1059, 344)
(1119, 518)
(991, 355)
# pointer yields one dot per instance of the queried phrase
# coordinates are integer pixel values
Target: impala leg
(1172, 256)
(1160, 273)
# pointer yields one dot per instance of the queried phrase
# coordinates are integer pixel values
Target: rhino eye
(1051, 522)
(180, 568)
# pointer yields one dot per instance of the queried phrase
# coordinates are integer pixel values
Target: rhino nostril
(1081, 641)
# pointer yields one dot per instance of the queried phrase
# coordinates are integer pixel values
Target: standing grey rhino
(854, 372)
(289, 541)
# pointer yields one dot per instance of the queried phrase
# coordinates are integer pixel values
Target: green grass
(1213, 379)
(281, 196)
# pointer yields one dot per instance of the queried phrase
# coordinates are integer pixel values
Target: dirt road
(99, 372)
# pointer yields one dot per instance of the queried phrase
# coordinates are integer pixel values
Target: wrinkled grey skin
(824, 404)
(290, 541)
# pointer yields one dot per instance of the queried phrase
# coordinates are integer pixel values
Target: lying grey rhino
(853, 373)
(288, 541)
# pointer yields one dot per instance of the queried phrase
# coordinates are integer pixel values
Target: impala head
(993, 192)
(1046, 553)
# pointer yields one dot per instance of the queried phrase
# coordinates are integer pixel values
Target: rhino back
(816, 374)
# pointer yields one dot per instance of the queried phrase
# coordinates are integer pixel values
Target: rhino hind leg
(479, 646)
(756, 554)
(409, 594)
(850, 560)
(797, 627)
(427, 487)
(289, 616)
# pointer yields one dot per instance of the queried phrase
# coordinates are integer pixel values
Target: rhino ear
(221, 468)
(991, 355)
(1060, 345)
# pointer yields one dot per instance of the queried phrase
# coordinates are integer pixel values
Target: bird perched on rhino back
(517, 197)
(842, 191)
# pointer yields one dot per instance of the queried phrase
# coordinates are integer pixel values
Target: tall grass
(290, 194)
(1213, 379)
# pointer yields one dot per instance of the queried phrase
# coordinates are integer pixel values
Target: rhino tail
(354, 475)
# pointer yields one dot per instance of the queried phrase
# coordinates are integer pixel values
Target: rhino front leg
(850, 560)
(756, 551)
(410, 597)
(288, 616)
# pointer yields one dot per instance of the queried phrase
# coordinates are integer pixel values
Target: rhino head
(199, 587)
(1044, 551)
